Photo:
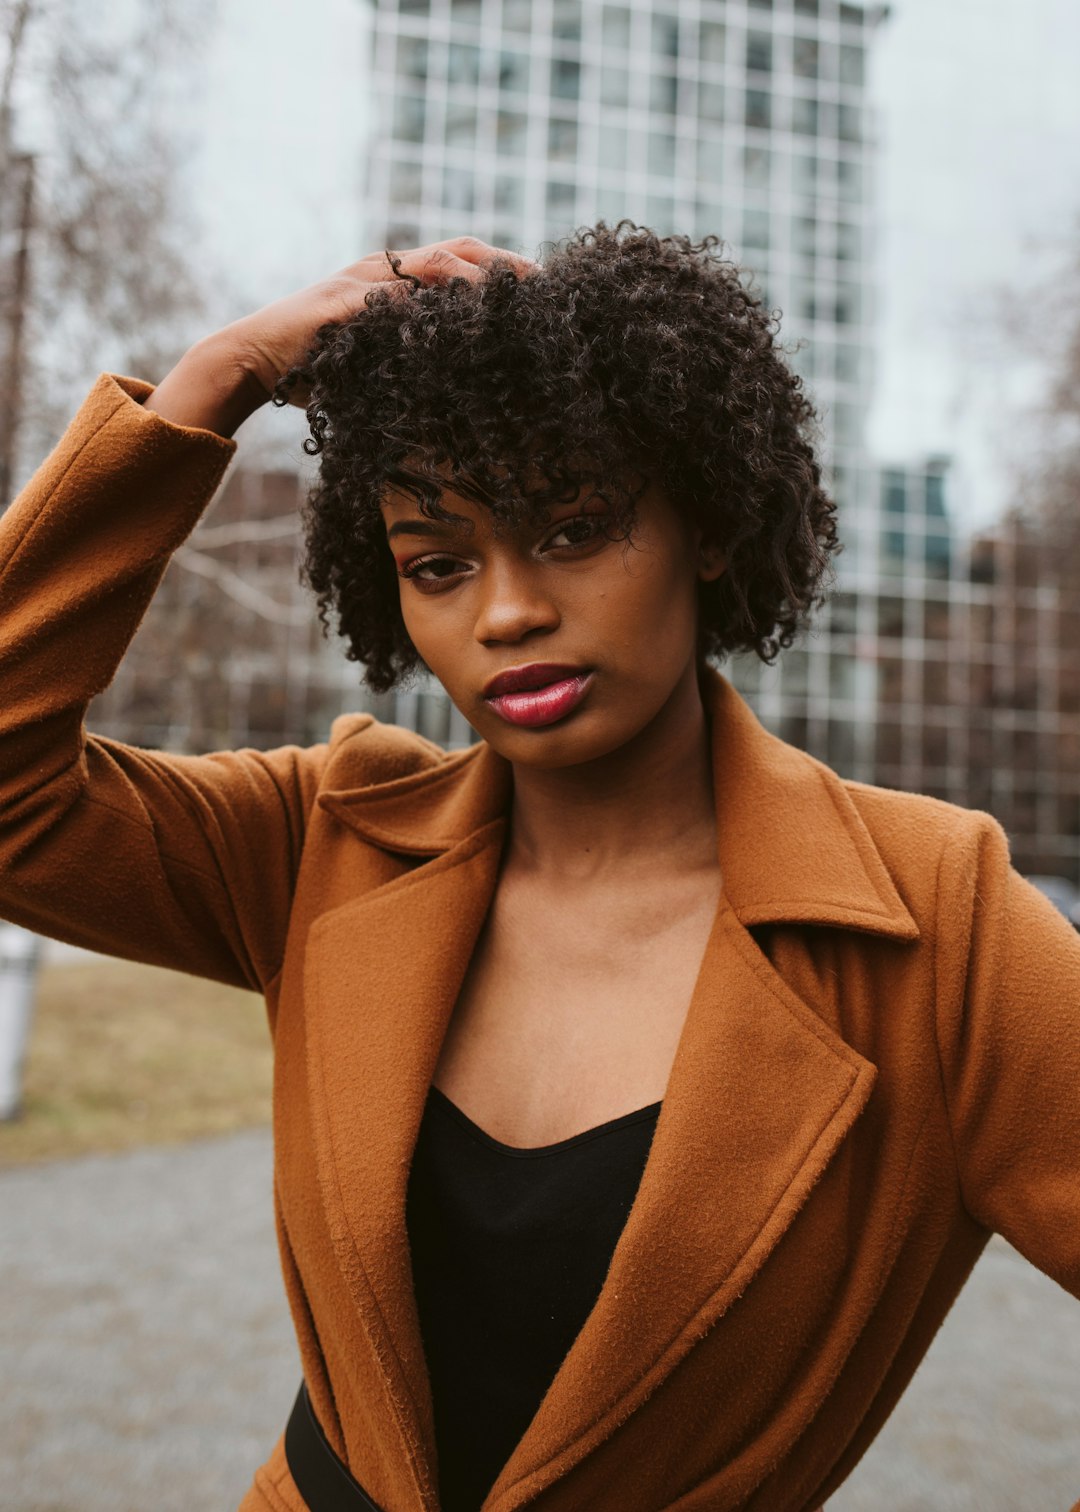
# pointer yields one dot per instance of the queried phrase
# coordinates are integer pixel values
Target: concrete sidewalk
(150, 1357)
(150, 1363)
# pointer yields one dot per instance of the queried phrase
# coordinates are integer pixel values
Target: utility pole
(20, 949)
(19, 192)
(16, 224)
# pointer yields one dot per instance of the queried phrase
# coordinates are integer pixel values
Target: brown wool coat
(880, 1064)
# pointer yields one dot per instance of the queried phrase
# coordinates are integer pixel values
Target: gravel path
(150, 1363)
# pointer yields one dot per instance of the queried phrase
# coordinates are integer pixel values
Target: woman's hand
(227, 376)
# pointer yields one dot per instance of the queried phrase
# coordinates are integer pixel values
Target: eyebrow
(428, 527)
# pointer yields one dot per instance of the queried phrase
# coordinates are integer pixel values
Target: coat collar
(792, 845)
(762, 1093)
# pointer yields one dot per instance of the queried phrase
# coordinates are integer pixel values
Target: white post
(20, 952)
(407, 708)
(461, 731)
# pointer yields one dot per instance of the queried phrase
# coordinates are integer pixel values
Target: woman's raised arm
(183, 861)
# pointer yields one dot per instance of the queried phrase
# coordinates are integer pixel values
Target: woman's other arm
(1009, 1041)
(181, 861)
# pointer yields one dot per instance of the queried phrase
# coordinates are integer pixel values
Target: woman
(644, 1093)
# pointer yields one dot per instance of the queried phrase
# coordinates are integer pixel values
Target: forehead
(402, 515)
(463, 505)
(398, 506)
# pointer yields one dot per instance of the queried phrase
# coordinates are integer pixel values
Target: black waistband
(322, 1480)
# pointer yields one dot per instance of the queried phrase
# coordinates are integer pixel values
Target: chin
(571, 742)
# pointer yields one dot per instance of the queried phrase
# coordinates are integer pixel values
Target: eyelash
(410, 570)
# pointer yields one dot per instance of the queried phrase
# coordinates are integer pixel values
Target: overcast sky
(979, 197)
(978, 192)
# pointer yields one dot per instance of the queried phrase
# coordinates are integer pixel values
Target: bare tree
(1018, 658)
(1046, 326)
(1055, 486)
(93, 264)
(96, 272)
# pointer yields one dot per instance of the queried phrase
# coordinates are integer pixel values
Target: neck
(651, 800)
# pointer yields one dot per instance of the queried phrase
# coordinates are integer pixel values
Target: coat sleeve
(180, 861)
(1009, 1041)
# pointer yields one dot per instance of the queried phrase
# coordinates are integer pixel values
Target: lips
(538, 694)
(527, 679)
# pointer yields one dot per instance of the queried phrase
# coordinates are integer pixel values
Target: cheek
(420, 610)
(408, 618)
(407, 601)
(416, 614)
(652, 599)
(438, 631)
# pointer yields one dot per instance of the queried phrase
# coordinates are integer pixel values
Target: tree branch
(236, 587)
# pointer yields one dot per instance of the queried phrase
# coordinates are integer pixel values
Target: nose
(515, 602)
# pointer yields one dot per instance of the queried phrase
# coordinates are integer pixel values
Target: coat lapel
(382, 974)
(761, 1095)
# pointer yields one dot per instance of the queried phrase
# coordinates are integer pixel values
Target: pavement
(150, 1362)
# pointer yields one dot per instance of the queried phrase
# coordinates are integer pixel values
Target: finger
(432, 264)
(472, 249)
(437, 262)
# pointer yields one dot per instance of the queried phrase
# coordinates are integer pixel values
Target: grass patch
(122, 1055)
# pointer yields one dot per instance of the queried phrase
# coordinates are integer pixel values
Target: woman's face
(557, 644)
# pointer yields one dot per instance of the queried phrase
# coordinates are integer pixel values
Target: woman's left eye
(582, 530)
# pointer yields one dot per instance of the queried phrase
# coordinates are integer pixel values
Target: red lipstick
(537, 694)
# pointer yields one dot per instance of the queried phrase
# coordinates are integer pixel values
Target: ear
(711, 562)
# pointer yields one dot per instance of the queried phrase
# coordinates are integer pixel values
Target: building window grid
(639, 186)
(488, 13)
(592, 53)
(1031, 800)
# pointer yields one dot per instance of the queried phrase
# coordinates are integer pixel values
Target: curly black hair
(624, 356)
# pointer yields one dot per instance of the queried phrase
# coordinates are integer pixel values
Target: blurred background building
(947, 660)
(978, 653)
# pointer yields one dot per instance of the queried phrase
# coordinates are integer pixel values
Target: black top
(509, 1250)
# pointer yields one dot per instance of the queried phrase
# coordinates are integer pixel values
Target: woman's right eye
(426, 572)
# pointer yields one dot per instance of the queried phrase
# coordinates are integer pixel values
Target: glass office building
(518, 120)
(978, 652)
